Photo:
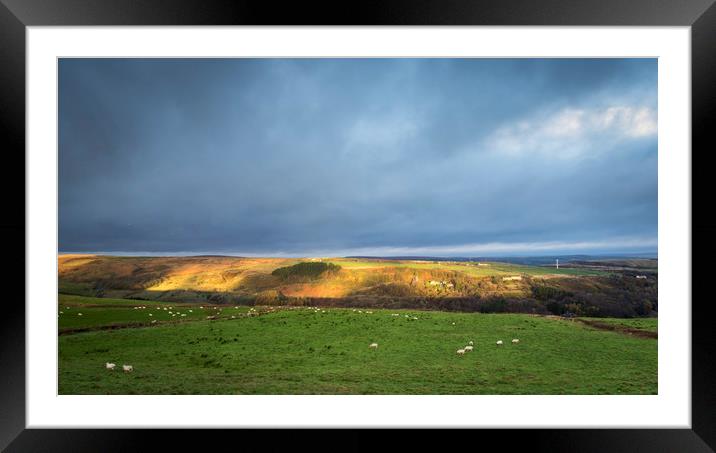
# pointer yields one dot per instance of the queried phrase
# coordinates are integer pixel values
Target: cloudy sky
(442, 157)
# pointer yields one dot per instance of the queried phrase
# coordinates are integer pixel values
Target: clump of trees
(306, 270)
(621, 296)
(270, 297)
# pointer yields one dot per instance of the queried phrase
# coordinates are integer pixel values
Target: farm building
(440, 283)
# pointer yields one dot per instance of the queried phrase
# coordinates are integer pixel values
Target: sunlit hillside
(465, 286)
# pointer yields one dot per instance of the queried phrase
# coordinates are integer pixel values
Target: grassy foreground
(304, 351)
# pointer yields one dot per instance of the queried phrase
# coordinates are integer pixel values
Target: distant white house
(482, 264)
(440, 283)
(641, 276)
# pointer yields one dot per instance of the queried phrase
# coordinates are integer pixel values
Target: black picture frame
(700, 15)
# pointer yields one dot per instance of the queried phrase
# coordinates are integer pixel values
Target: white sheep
(460, 352)
(453, 324)
(515, 340)
(499, 343)
(373, 346)
(127, 368)
(151, 314)
(183, 314)
(110, 366)
(62, 313)
(154, 321)
(470, 343)
(468, 348)
(79, 314)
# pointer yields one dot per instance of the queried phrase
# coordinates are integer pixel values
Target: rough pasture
(301, 351)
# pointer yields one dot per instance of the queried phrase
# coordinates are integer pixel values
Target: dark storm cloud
(331, 156)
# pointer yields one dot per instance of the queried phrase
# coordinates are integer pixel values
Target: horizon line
(188, 254)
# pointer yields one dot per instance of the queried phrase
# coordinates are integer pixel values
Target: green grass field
(301, 351)
(497, 269)
(79, 312)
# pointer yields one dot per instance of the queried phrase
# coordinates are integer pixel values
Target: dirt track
(621, 329)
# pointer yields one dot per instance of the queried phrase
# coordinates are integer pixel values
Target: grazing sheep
(151, 314)
(232, 316)
(109, 366)
(62, 313)
(373, 346)
(183, 314)
(468, 348)
(154, 321)
(127, 368)
(515, 340)
(460, 352)
(470, 343)
(79, 314)
(200, 306)
(499, 343)
(453, 324)
(191, 311)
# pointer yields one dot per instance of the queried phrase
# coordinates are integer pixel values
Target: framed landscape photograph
(362, 227)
